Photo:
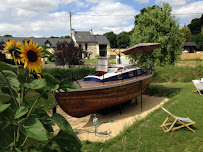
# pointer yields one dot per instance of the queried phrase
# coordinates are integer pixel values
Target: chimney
(72, 32)
(91, 32)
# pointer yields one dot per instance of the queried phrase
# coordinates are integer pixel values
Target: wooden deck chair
(177, 119)
(198, 86)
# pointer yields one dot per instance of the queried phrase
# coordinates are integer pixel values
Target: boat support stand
(140, 95)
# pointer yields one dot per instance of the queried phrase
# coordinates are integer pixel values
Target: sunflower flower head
(31, 56)
(11, 48)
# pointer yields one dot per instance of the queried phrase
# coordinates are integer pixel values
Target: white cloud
(173, 3)
(142, 1)
(189, 11)
(106, 16)
(38, 18)
(92, 1)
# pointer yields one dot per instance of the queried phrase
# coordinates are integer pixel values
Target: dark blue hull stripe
(124, 76)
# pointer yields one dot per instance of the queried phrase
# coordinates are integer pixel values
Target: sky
(46, 18)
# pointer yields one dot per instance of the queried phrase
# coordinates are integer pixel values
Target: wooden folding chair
(198, 86)
(177, 119)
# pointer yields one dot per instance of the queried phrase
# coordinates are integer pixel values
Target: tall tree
(68, 53)
(111, 36)
(196, 25)
(157, 25)
(2, 56)
(123, 39)
(198, 39)
(7, 35)
(186, 32)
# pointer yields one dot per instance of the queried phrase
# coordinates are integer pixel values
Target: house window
(102, 50)
(80, 46)
(85, 46)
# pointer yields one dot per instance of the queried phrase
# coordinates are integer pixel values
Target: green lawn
(146, 135)
(94, 61)
(190, 63)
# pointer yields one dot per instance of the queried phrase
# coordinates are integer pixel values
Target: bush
(70, 74)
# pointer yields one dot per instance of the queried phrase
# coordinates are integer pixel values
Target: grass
(94, 61)
(191, 62)
(146, 135)
(177, 73)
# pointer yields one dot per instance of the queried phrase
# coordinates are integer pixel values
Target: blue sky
(45, 18)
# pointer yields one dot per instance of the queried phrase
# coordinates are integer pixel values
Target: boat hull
(81, 102)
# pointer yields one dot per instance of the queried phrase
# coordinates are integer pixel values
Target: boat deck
(88, 84)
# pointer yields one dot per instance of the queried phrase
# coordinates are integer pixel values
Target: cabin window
(80, 46)
(85, 46)
(131, 74)
(120, 76)
(139, 72)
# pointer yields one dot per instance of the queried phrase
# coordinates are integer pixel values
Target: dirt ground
(113, 122)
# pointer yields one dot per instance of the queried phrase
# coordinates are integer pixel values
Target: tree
(196, 25)
(186, 33)
(198, 39)
(68, 53)
(157, 25)
(123, 39)
(7, 35)
(111, 36)
(2, 56)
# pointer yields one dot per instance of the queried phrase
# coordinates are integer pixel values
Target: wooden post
(122, 74)
(70, 24)
(120, 109)
(141, 93)
(103, 79)
(54, 110)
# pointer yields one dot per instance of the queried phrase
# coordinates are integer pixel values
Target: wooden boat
(104, 89)
(108, 86)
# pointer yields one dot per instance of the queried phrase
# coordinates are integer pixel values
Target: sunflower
(11, 47)
(31, 56)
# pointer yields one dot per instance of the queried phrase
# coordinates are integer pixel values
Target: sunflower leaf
(51, 82)
(33, 128)
(12, 78)
(3, 106)
(66, 138)
(35, 84)
(21, 111)
(6, 66)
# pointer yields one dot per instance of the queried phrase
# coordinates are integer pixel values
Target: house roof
(83, 36)
(40, 41)
(86, 36)
(190, 44)
(101, 39)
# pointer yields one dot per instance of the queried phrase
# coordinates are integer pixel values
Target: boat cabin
(106, 73)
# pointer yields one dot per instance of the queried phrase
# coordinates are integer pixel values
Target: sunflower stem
(24, 142)
(22, 95)
(14, 137)
(13, 53)
(18, 134)
(9, 86)
(33, 106)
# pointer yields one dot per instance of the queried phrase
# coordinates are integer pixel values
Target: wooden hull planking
(84, 102)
